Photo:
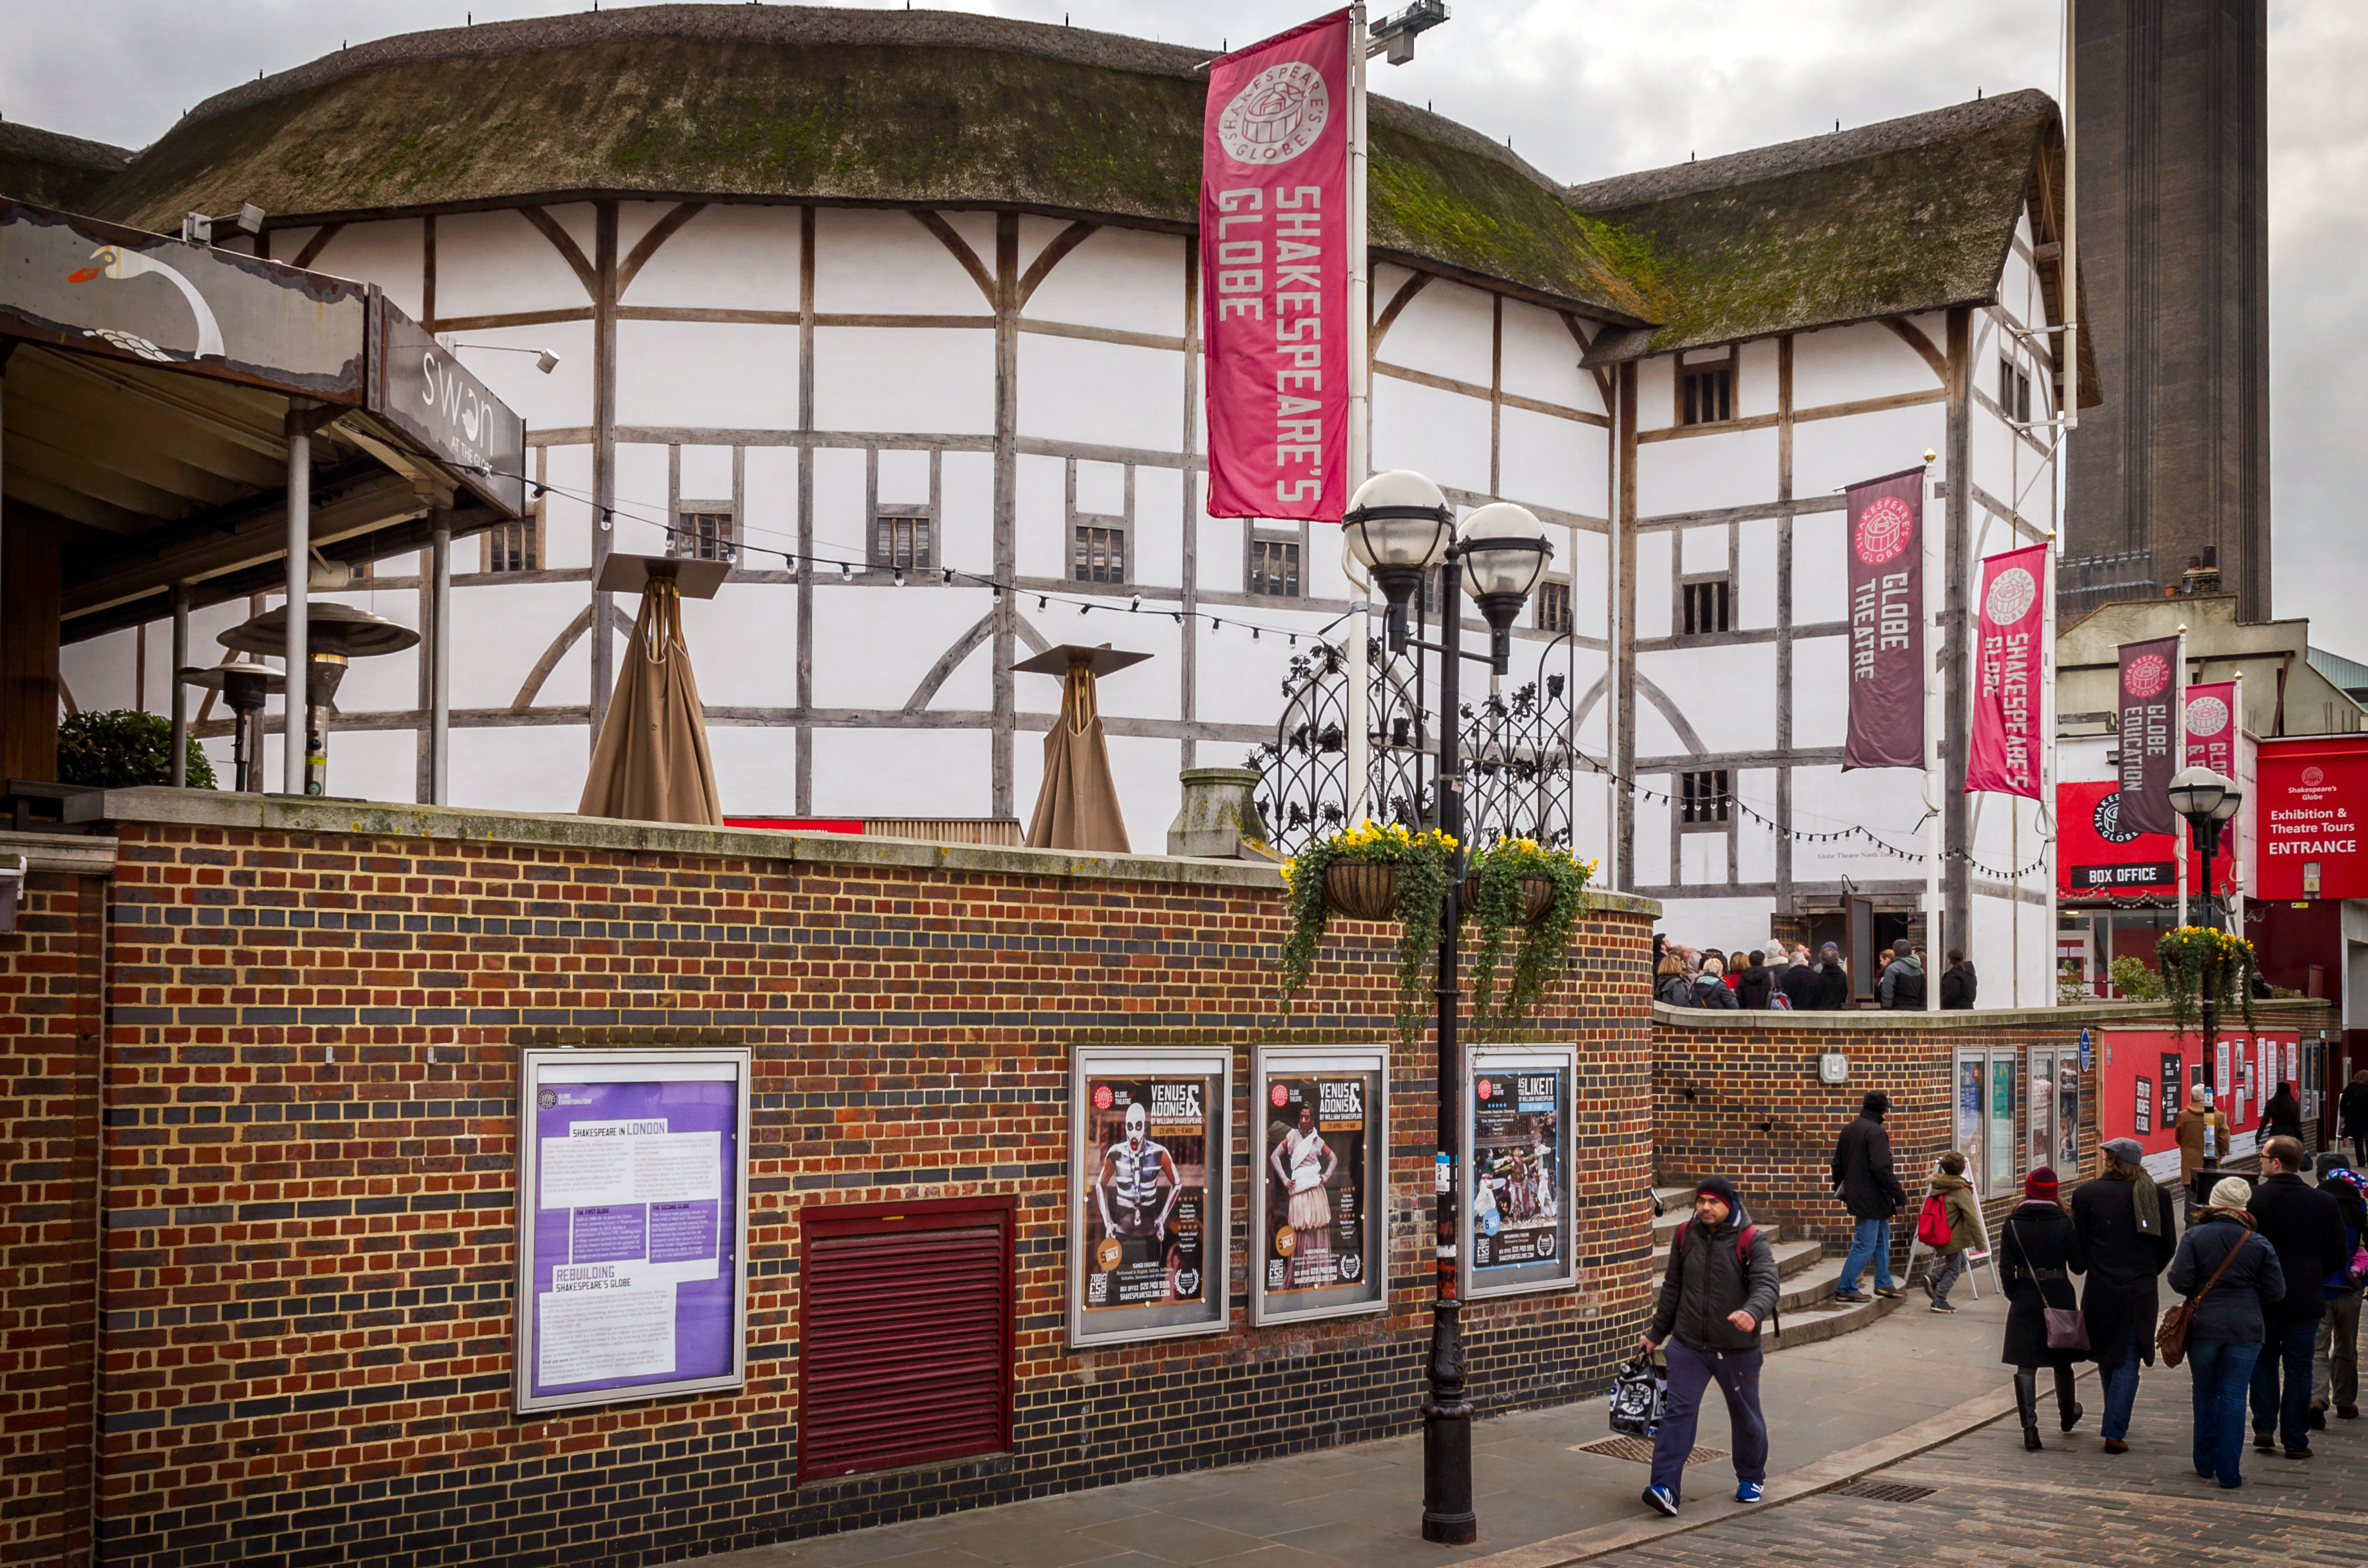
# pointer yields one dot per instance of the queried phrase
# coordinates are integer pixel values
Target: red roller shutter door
(905, 1338)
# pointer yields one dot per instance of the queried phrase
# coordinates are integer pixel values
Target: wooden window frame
(683, 543)
(1119, 526)
(878, 560)
(1730, 361)
(530, 529)
(1257, 537)
(1569, 606)
(870, 1219)
(1709, 805)
(1724, 583)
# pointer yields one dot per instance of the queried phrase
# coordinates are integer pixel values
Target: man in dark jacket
(1958, 983)
(1902, 988)
(2335, 1349)
(1718, 1291)
(2305, 1227)
(2352, 1111)
(2128, 1233)
(1755, 985)
(1820, 988)
(1870, 1190)
(1710, 986)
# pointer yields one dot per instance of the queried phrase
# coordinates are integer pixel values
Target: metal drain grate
(1639, 1449)
(1885, 1491)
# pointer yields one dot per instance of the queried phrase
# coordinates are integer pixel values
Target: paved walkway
(1867, 1398)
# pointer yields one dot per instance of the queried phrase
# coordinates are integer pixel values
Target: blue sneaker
(1749, 1492)
(1661, 1500)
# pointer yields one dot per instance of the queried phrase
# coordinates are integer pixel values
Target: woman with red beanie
(2038, 1253)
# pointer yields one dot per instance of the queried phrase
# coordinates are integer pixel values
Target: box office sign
(633, 1241)
(1516, 1204)
(1150, 1131)
(1319, 1119)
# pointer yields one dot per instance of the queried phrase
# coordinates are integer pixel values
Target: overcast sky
(1584, 88)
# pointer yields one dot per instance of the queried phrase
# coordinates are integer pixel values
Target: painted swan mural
(114, 262)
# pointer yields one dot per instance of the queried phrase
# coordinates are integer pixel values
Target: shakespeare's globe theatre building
(898, 293)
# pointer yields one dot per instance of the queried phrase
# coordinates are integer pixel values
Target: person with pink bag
(2039, 1255)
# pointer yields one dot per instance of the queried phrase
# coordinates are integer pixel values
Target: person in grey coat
(2225, 1339)
(1719, 1286)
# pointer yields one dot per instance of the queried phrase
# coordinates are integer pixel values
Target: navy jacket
(2235, 1308)
(2306, 1226)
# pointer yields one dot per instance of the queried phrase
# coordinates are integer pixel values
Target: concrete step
(1674, 1197)
(1790, 1256)
(1828, 1321)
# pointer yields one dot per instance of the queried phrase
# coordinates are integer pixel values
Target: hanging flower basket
(1518, 884)
(1362, 890)
(2201, 963)
(1371, 871)
(1537, 898)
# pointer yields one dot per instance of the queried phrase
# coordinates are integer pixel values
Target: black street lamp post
(2207, 800)
(1399, 526)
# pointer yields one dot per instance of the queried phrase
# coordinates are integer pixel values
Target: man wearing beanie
(1719, 1286)
(1870, 1190)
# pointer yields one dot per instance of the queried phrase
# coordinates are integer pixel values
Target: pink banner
(1274, 275)
(1885, 561)
(2212, 723)
(2148, 713)
(2007, 742)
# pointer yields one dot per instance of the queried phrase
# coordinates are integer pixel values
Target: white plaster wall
(1755, 577)
(1849, 364)
(876, 771)
(907, 379)
(1722, 690)
(1442, 434)
(716, 376)
(743, 644)
(1755, 846)
(1106, 394)
(1694, 473)
(1656, 557)
(1121, 278)
(505, 629)
(881, 262)
(731, 256)
(529, 768)
(391, 254)
(1830, 454)
(1755, 381)
(494, 261)
(756, 768)
(1820, 583)
(1820, 692)
(1445, 330)
(1541, 359)
(1552, 462)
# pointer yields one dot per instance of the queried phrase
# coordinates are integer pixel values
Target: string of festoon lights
(947, 575)
(1045, 599)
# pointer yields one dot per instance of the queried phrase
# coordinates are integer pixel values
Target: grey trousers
(2335, 1359)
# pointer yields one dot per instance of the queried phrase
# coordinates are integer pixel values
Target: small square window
(703, 530)
(903, 540)
(1099, 554)
(1701, 797)
(1274, 568)
(1554, 607)
(2014, 393)
(1706, 393)
(1707, 606)
(514, 547)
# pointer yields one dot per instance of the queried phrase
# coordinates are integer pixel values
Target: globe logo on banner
(2206, 716)
(2107, 820)
(2148, 674)
(2312, 777)
(1884, 530)
(1101, 1097)
(1277, 116)
(1280, 1095)
(2012, 593)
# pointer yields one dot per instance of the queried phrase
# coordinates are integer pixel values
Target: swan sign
(422, 389)
(95, 288)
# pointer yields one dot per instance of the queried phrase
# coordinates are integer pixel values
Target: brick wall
(50, 1026)
(309, 1224)
(1739, 1093)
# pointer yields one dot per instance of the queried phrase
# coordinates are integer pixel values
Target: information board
(632, 1240)
(1516, 1230)
(1150, 1133)
(1319, 1182)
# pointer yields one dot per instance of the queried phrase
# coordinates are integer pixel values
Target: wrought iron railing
(1517, 749)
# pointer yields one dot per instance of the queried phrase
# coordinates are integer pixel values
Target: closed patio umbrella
(1077, 806)
(652, 762)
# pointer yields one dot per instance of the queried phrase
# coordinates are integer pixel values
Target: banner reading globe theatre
(1885, 554)
(1274, 275)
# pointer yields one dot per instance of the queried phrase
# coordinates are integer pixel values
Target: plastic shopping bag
(1639, 1389)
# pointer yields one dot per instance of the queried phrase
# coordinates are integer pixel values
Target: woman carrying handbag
(2228, 1275)
(2036, 1261)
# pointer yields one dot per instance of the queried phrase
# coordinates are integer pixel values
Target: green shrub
(120, 750)
(2136, 981)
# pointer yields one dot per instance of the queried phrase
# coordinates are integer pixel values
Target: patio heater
(244, 683)
(1398, 525)
(333, 633)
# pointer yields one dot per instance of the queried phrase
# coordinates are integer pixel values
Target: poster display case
(632, 1236)
(1319, 1183)
(1516, 1229)
(1149, 1226)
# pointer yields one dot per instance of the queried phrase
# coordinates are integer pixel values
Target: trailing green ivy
(1424, 862)
(1497, 873)
(2199, 961)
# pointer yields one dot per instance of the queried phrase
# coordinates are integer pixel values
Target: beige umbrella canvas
(652, 762)
(1077, 806)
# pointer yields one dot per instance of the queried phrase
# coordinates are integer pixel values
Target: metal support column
(181, 693)
(440, 657)
(1447, 1514)
(294, 707)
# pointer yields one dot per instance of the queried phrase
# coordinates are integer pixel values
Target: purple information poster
(632, 1247)
(1517, 1218)
(1151, 1131)
(1319, 1122)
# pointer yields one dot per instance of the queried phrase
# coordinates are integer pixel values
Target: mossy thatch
(50, 170)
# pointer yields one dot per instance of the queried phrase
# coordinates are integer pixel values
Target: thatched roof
(786, 103)
(50, 170)
(1910, 215)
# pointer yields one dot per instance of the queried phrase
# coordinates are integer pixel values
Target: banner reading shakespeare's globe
(2008, 743)
(1274, 275)
(1885, 554)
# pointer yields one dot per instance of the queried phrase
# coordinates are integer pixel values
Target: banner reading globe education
(632, 1243)
(1148, 1221)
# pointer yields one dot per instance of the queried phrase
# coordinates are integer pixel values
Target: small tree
(123, 749)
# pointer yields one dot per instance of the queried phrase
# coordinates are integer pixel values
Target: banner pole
(1933, 778)
(1358, 758)
(2179, 830)
(2051, 835)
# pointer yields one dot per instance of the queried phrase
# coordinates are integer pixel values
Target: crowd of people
(1781, 978)
(2268, 1273)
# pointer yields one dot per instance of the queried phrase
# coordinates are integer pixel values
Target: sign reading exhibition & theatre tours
(632, 1247)
(1148, 1223)
(2313, 792)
